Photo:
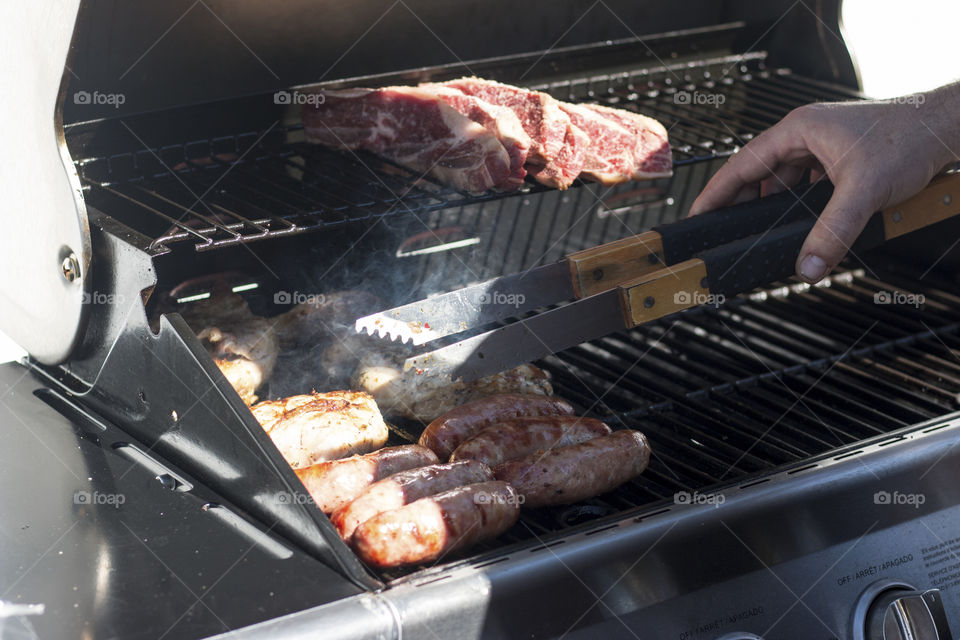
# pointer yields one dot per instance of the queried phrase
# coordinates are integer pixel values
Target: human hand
(876, 154)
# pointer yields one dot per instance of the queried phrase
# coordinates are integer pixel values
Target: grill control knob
(906, 614)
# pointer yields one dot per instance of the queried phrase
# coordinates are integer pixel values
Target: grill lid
(45, 244)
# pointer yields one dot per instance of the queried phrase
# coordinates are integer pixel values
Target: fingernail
(812, 269)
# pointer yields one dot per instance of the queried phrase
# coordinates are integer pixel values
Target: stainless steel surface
(902, 614)
(526, 340)
(473, 306)
(44, 216)
(111, 549)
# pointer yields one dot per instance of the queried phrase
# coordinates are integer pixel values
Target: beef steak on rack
(500, 121)
(651, 150)
(557, 155)
(414, 128)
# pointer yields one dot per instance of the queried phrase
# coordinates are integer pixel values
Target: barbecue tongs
(622, 284)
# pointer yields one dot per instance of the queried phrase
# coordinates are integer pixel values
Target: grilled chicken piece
(242, 344)
(269, 411)
(317, 427)
(425, 398)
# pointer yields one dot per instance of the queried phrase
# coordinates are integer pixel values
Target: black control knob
(907, 614)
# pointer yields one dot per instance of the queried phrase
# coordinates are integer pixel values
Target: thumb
(837, 229)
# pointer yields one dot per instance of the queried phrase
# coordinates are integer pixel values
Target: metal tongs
(620, 285)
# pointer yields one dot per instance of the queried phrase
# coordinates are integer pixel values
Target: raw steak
(413, 128)
(610, 155)
(557, 156)
(651, 150)
(500, 121)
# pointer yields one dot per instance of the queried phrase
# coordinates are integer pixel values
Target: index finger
(757, 160)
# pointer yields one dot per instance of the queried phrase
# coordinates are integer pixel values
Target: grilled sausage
(570, 474)
(520, 437)
(405, 487)
(447, 432)
(337, 482)
(431, 527)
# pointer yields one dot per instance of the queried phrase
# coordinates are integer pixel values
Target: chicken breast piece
(243, 345)
(317, 427)
(269, 411)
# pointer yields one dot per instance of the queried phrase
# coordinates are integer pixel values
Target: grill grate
(232, 190)
(728, 394)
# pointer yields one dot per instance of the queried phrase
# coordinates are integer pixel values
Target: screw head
(897, 216)
(598, 274)
(947, 199)
(70, 268)
(649, 301)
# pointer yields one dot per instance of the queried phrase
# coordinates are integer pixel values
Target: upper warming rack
(213, 192)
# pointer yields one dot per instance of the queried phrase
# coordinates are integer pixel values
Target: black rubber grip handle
(756, 260)
(764, 258)
(686, 238)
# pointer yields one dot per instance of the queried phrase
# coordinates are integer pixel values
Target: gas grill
(803, 471)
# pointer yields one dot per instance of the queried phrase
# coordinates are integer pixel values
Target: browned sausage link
(431, 527)
(570, 474)
(520, 437)
(335, 483)
(405, 487)
(445, 434)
